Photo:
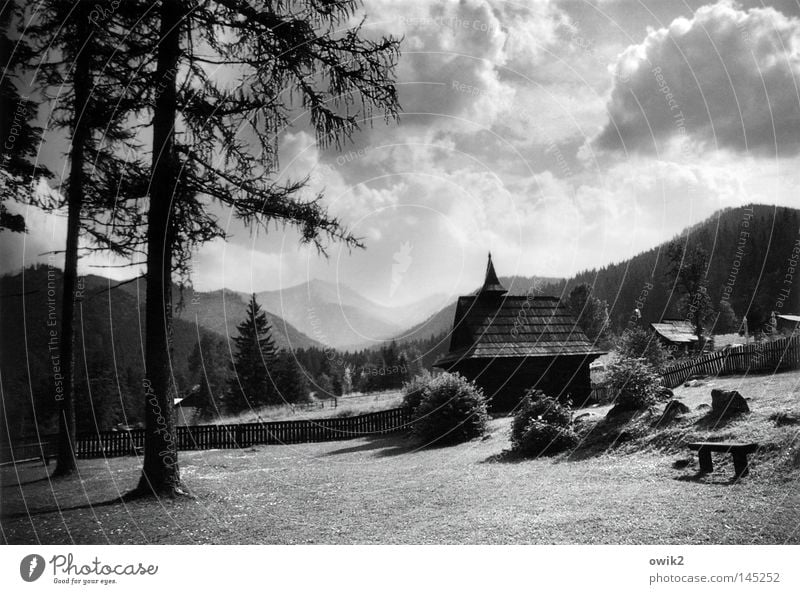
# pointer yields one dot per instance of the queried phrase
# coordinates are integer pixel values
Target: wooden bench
(738, 450)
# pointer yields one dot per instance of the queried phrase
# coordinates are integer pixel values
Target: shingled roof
(679, 331)
(490, 325)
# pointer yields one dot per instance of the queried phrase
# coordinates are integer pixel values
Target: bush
(415, 389)
(638, 343)
(542, 426)
(635, 383)
(452, 410)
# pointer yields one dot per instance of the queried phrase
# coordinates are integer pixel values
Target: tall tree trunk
(66, 463)
(160, 473)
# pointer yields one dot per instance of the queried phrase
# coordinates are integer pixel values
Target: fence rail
(778, 355)
(763, 357)
(242, 435)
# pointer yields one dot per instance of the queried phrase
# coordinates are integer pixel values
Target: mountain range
(337, 316)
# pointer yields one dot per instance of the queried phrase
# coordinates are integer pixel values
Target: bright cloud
(725, 77)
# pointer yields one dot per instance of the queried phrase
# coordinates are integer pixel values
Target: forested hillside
(751, 249)
(109, 349)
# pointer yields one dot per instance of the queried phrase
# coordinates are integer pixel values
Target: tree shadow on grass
(611, 432)
(512, 457)
(706, 479)
(24, 483)
(381, 445)
(713, 421)
(53, 510)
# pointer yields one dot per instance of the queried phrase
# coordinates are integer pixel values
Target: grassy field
(625, 485)
(351, 404)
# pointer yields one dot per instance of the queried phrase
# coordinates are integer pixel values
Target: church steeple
(491, 284)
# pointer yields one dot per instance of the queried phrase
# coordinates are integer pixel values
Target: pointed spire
(491, 285)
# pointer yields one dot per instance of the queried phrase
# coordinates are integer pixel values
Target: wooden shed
(509, 343)
(788, 324)
(676, 335)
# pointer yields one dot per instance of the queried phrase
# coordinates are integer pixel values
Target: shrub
(452, 410)
(542, 426)
(415, 389)
(638, 343)
(635, 383)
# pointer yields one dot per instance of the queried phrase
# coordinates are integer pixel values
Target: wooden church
(508, 343)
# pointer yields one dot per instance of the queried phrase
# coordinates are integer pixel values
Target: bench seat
(738, 450)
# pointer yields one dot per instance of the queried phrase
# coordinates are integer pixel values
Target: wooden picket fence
(242, 435)
(762, 357)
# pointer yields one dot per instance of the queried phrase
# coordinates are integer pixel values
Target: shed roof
(680, 331)
(789, 317)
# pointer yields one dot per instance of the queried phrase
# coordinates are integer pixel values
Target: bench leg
(740, 465)
(705, 460)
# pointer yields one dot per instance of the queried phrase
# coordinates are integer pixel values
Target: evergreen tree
(688, 268)
(290, 378)
(207, 372)
(87, 69)
(18, 137)
(253, 384)
(286, 55)
(590, 313)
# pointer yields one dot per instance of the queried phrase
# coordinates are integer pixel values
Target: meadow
(643, 489)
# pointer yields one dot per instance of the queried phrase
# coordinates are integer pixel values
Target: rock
(675, 408)
(703, 406)
(728, 402)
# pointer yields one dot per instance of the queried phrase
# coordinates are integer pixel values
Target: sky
(561, 135)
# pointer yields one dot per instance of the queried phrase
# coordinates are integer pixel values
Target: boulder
(674, 408)
(727, 402)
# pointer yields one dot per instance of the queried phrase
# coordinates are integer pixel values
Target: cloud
(454, 53)
(726, 79)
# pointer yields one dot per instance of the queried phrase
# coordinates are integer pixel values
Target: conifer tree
(253, 383)
(93, 74)
(217, 142)
(688, 268)
(290, 378)
(590, 313)
(19, 138)
(208, 372)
